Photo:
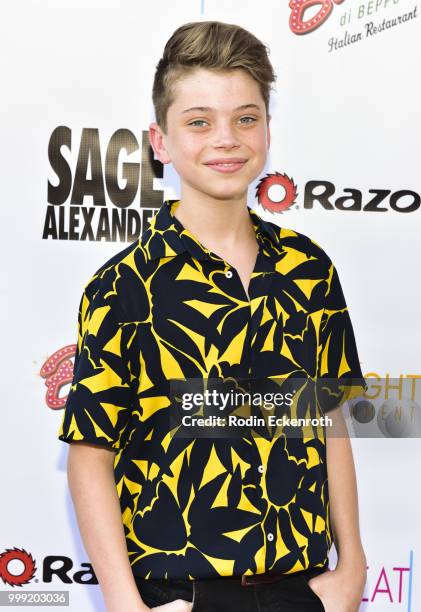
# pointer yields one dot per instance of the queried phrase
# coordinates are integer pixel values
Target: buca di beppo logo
(57, 372)
(297, 21)
(63, 570)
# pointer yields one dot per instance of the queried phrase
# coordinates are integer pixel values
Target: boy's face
(222, 130)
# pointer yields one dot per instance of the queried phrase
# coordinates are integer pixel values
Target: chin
(220, 190)
(225, 195)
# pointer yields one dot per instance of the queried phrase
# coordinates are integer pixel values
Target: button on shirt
(167, 308)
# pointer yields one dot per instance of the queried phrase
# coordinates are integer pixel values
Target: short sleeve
(338, 369)
(98, 405)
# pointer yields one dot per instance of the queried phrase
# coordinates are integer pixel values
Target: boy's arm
(94, 494)
(344, 499)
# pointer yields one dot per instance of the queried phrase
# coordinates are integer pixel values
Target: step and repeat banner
(343, 168)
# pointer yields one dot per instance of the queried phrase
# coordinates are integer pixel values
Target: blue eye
(252, 119)
(197, 121)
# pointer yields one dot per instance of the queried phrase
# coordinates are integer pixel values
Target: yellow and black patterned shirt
(165, 309)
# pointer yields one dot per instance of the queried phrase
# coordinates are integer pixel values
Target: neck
(217, 224)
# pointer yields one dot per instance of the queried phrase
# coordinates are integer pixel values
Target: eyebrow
(208, 108)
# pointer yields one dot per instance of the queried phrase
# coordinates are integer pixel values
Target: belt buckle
(244, 581)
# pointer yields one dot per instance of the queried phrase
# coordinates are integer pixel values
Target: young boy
(211, 291)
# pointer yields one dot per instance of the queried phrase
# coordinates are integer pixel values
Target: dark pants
(290, 593)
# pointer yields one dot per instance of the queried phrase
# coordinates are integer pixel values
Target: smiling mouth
(225, 163)
(226, 166)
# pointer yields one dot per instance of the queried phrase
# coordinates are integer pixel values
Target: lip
(226, 160)
(236, 163)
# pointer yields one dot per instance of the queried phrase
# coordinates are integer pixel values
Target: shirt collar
(167, 237)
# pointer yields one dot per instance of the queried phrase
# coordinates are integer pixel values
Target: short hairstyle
(213, 45)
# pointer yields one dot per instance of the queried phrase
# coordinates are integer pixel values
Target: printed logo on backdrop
(389, 586)
(304, 18)
(277, 193)
(57, 371)
(18, 568)
(366, 18)
(101, 191)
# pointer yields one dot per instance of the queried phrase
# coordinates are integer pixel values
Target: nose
(225, 135)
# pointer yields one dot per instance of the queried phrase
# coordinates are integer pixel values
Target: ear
(157, 140)
(268, 132)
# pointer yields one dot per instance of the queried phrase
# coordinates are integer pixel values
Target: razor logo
(354, 199)
(297, 22)
(323, 194)
(280, 180)
(59, 567)
(28, 566)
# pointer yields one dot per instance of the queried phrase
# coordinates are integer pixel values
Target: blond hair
(213, 45)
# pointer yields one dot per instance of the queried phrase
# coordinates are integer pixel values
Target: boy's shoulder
(107, 278)
(292, 242)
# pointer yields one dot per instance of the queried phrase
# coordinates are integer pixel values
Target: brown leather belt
(249, 580)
